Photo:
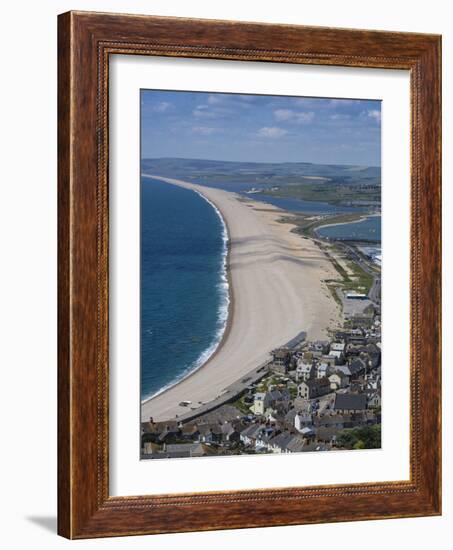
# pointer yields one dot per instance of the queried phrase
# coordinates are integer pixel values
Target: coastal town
(311, 395)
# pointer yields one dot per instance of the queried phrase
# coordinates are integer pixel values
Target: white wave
(222, 316)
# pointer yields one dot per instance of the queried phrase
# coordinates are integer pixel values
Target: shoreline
(359, 220)
(269, 267)
(230, 307)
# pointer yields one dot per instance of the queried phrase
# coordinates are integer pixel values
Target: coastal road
(374, 293)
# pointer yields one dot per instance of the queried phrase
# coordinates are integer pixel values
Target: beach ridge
(275, 288)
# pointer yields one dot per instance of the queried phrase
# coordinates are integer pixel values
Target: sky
(260, 128)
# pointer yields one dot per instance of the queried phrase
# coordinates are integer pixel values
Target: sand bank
(276, 281)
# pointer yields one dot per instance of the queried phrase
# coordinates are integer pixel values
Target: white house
(338, 380)
(269, 414)
(303, 370)
(301, 421)
(337, 346)
(259, 403)
(374, 399)
(324, 370)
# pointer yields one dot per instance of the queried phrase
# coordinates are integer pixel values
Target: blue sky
(260, 128)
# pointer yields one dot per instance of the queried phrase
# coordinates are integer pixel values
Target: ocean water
(184, 289)
(368, 229)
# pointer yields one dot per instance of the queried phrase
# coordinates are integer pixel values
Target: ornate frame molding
(86, 40)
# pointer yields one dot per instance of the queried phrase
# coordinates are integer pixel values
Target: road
(374, 293)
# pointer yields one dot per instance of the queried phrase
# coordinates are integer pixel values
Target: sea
(184, 287)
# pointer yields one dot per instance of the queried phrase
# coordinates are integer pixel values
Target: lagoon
(367, 229)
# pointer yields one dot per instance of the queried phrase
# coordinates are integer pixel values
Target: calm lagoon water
(308, 207)
(292, 205)
(367, 229)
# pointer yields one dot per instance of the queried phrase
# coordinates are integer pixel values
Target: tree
(364, 437)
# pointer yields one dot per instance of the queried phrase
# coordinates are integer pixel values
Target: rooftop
(350, 401)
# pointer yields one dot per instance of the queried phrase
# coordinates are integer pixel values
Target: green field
(300, 180)
(331, 192)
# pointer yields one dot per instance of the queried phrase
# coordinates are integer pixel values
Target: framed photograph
(249, 275)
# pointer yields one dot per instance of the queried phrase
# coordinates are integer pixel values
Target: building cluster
(311, 393)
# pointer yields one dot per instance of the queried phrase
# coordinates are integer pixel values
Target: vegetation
(361, 280)
(241, 405)
(364, 437)
(332, 192)
(265, 383)
(300, 180)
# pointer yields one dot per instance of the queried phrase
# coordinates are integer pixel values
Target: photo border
(86, 40)
(129, 476)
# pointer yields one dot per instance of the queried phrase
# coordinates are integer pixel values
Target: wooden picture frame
(85, 42)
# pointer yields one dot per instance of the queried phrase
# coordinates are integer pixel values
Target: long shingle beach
(277, 289)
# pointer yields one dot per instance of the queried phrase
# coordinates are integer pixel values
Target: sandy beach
(277, 289)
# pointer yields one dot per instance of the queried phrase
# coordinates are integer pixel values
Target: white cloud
(303, 118)
(272, 132)
(283, 114)
(162, 107)
(297, 117)
(212, 109)
(375, 114)
(205, 130)
(340, 117)
(214, 99)
(203, 111)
